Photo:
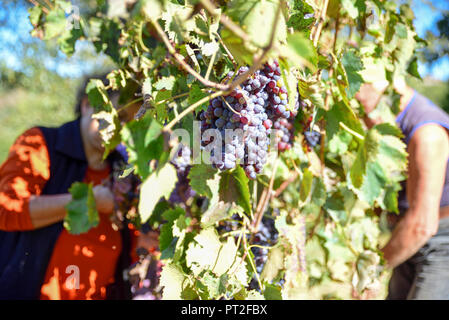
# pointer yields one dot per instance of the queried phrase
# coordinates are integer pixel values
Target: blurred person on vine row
(39, 259)
(418, 250)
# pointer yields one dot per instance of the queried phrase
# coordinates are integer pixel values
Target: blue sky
(426, 19)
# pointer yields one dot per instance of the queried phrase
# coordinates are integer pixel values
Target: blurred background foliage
(38, 83)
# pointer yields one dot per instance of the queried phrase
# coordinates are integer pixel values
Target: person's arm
(22, 178)
(45, 210)
(23, 174)
(428, 156)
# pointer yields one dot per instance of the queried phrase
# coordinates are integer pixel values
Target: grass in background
(21, 109)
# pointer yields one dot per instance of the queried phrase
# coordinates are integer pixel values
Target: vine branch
(191, 108)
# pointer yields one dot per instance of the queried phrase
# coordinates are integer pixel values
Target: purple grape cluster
(252, 108)
(312, 137)
(182, 163)
(266, 236)
(284, 133)
(144, 275)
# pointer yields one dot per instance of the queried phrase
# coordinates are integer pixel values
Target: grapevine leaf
(208, 253)
(254, 295)
(152, 9)
(353, 64)
(350, 8)
(199, 175)
(147, 87)
(306, 185)
(68, 40)
(166, 234)
(257, 19)
(159, 184)
(35, 15)
(172, 279)
(301, 51)
(367, 275)
(196, 94)
(413, 68)
(55, 23)
(108, 39)
(81, 210)
(340, 112)
(144, 142)
(274, 264)
(301, 18)
(234, 188)
(166, 83)
(97, 95)
(109, 128)
(272, 292)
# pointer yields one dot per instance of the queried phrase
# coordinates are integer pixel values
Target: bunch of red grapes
(254, 107)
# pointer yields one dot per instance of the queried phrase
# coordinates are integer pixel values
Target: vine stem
(265, 197)
(321, 23)
(157, 103)
(191, 108)
(285, 184)
(352, 132)
(35, 3)
(245, 244)
(211, 63)
(129, 104)
(184, 64)
(231, 57)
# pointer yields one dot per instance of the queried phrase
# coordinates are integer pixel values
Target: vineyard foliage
(312, 213)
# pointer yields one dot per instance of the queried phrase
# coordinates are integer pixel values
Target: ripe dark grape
(266, 236)
(182, 163)
(312, 137)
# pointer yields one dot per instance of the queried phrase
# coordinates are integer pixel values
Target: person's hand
(104, 199)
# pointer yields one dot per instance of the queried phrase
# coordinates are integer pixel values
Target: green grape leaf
(340, 112)
(96, 93)
(166, 83)
(300, 51)
(199, 175)
(368, 271)
(257, 18)
(55, 23)
(109, 128)
(272, 292)
(172, 280)
(144, 142)
(234, 188)
(306, 185)
(68, 39)
(35, 15)
(298, 20)
(350, 8)
(82, 212)
(208, 253)
(159, 184)
(196, 94)
(352, 64)
(274, 264)
(166, 235)
(413, 68)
